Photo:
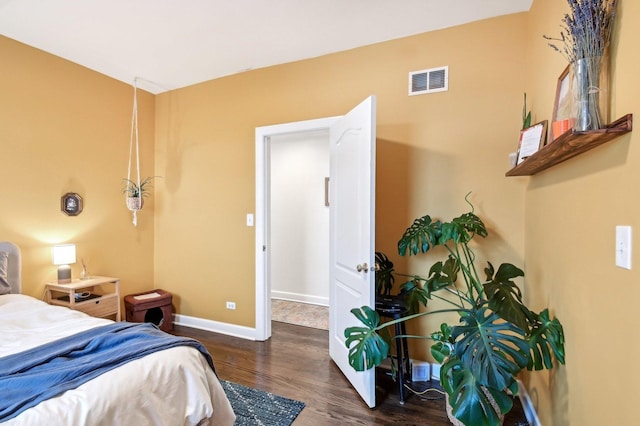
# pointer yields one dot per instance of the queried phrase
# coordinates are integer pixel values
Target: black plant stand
(394, 307)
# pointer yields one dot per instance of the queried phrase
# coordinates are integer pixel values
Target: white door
(352, 237)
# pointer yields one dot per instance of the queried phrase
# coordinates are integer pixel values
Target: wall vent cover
(429, 81)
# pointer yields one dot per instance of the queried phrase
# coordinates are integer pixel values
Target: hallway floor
(305, 314)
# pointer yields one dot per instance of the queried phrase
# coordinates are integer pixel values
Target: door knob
(363, 267)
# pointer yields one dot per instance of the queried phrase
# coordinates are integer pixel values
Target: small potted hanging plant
(136, 192)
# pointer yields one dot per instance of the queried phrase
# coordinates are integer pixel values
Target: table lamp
(63, 256)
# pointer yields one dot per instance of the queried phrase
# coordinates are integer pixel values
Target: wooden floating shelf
(570, 144)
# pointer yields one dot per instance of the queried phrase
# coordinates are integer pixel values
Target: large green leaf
(493, 350)
(505, 297)
(469, 398)
(506, 272)
(425, 233)
(369, 349)
(441, 350)
(420, 236)
(384, 274)
(442, 275)
(462, 229)
(546, 336)
(414, 294)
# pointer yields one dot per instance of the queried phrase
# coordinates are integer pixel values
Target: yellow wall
(65, 128)
(432, 150)
(571, 213)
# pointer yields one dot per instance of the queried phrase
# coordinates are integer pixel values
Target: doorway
(299, 228)
(274, 161)
(352, 145)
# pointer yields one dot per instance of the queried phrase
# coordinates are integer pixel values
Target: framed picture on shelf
(561, 118)
(531, 140)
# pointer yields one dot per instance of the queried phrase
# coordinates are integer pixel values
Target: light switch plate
(623, 246)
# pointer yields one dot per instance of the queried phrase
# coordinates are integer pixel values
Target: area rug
(256, 407)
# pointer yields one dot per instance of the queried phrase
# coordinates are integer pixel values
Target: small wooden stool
(151, 306)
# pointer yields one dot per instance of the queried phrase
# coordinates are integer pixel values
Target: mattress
(171, 387)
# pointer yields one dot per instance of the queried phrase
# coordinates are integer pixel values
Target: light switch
(623, 246)
(249, 219)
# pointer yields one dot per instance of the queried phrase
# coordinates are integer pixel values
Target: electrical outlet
(231, 305)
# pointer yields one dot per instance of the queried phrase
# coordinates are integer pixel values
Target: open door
(352, 225)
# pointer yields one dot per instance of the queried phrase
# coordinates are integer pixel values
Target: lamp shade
(64, 254)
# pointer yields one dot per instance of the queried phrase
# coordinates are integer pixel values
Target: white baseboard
(215, 326)
(297, 297)
(527, 405)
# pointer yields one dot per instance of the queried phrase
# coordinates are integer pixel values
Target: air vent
(429, 81)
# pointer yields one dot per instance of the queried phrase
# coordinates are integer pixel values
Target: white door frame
(263, 284)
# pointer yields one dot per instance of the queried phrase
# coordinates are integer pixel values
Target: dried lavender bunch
(586, 29)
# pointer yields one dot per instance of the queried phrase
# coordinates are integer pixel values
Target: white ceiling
(170, 44)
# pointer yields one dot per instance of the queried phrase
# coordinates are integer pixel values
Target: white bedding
(171, 387)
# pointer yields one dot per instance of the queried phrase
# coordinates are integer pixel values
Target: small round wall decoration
(71, 204)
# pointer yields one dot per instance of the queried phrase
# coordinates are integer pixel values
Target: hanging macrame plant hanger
(134, 200)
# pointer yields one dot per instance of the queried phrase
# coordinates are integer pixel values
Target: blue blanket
(30, 377)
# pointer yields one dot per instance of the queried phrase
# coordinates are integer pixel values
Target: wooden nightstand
(102, 296)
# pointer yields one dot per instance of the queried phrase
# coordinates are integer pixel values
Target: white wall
(299, 236)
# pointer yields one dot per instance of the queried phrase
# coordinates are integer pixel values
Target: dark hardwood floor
(295, 363)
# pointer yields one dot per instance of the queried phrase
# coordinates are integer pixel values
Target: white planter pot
(135, 203)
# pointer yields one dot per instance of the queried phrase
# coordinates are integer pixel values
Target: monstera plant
(496, 335)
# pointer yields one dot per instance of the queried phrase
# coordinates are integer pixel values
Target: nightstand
(97, 296)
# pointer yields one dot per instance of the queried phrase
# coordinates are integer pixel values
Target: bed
(174, 386)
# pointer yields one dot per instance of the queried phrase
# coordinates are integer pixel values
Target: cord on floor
(421, 394)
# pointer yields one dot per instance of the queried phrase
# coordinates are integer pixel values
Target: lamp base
(64, 274)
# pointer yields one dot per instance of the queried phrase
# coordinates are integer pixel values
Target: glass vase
(590, 93)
